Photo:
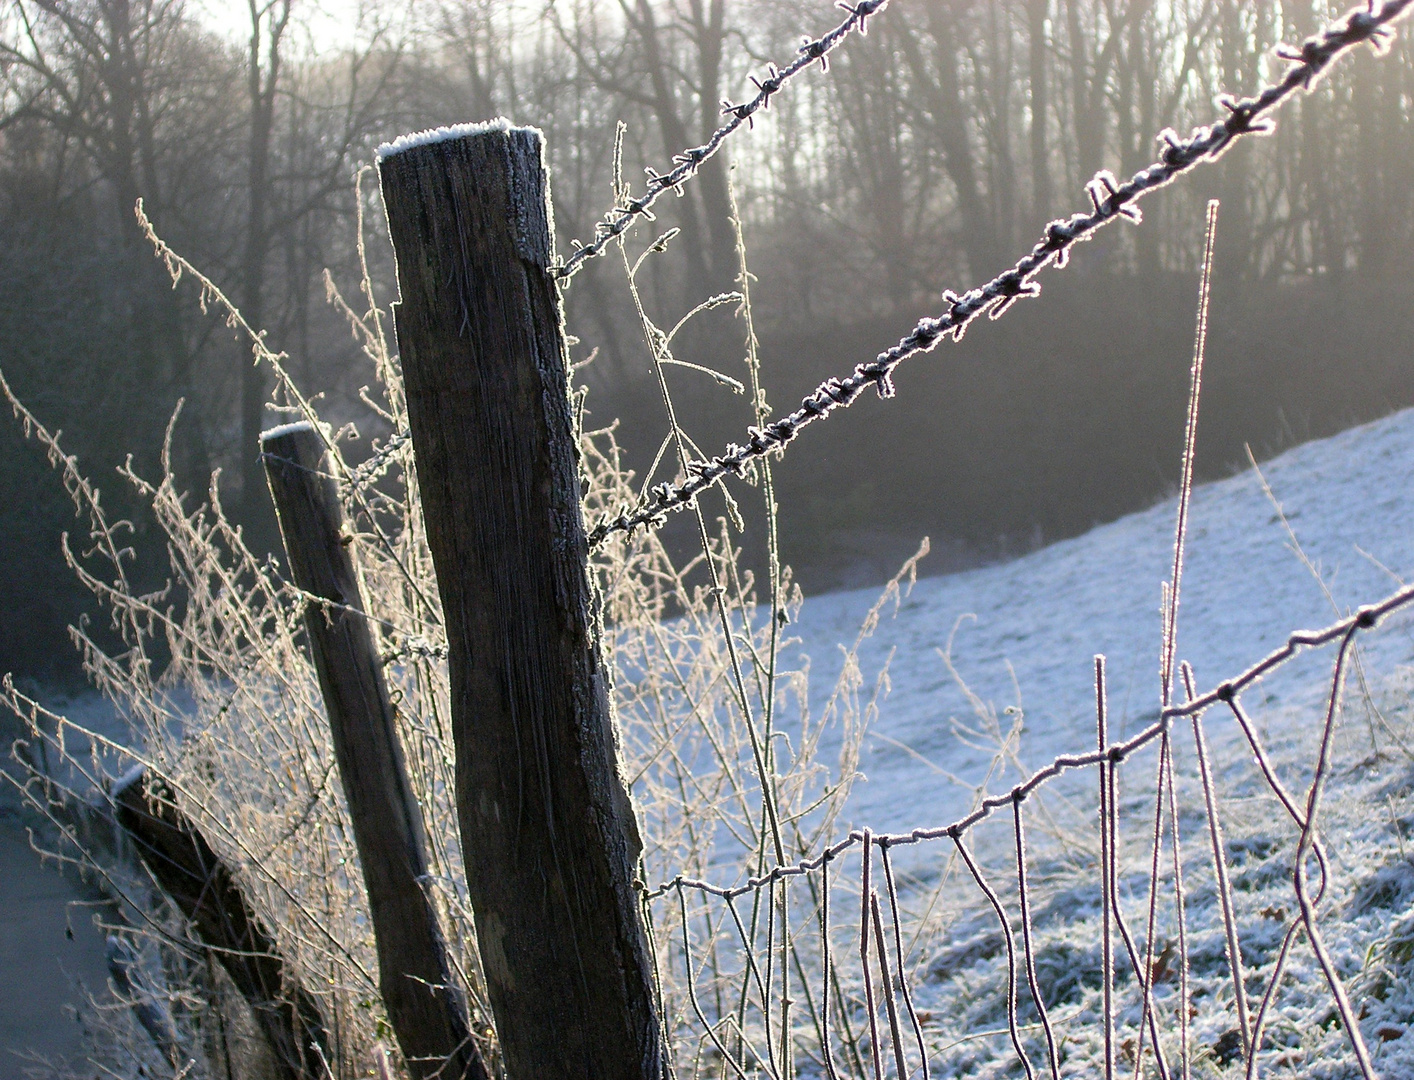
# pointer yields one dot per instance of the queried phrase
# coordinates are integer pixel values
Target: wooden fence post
(205, 891)
(425, 1007)
(546, 825)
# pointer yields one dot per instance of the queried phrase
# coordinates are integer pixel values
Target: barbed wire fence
(861, 1015)
(802, 979)
(1110, 200)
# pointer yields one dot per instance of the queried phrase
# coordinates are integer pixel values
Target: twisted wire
(1110, 199)
(378, 463)
(687, 163)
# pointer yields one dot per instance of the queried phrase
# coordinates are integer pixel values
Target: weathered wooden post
(206, 892)
(546, 826)
(425, 1008)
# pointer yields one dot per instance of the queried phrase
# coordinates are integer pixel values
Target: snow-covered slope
(1027, 631)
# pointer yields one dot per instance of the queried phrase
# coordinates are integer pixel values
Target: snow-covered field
(1023, 636)
(1026, 631)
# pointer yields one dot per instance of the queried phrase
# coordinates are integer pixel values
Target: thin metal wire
(1107, 758)
(1349, 1021)
(1364, 618)
(1179, 903)
(1215, 836)
(1150, 926)
(754, 975)
(827, 965)
(1107, 956)
(1028, 948)
(867, 859)
(1141, 974)
(1278, 789)
(894, 913)
(1005, 922)
(692, 991)
(890, 1004)
(1109, 199)
(1269, 996)
(378, 463)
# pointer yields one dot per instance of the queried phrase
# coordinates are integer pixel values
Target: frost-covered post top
(406, 157)
(404, 143)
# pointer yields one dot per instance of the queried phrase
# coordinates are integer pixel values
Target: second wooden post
(547, 829)
(425, 1007)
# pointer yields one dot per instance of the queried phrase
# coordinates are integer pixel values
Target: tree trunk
(262, 78)
(1036, 11)
(978, 236)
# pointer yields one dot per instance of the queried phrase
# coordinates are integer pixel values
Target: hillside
(1023, 635)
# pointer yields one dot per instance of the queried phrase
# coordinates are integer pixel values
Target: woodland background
(932, 157)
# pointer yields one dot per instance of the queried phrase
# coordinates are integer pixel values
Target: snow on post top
(286, 429)
(435, 135)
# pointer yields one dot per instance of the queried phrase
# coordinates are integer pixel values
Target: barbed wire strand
(1110, 199)
(687, 163)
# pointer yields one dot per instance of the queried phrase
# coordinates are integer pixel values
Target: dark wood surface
(426, 1009)
(184, 865)
(546, 826)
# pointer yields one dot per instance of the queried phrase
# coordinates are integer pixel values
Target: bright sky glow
(319, 25)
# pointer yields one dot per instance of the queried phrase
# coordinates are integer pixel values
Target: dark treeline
(929, 156)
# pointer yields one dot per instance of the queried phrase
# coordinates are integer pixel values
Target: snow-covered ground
(1023, 635)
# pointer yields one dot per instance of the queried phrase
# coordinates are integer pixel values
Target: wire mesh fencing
(832, 975)
(808, 966)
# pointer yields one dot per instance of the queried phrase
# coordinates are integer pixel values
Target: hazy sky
(325, 23)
